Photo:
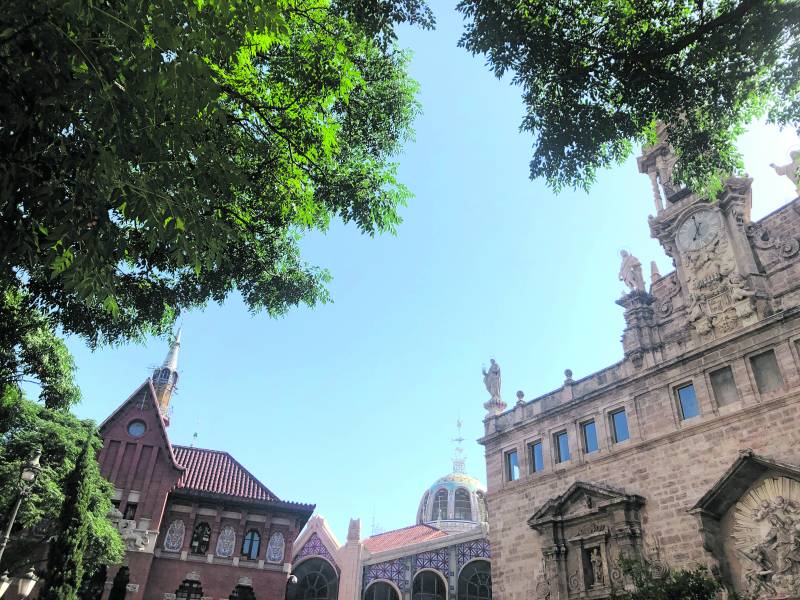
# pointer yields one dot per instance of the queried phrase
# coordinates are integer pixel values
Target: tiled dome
(455, 502)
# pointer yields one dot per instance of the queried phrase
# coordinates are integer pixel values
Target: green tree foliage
(65, 555)
(598, 74)
(158, 155)
(25, 426)
(672, 585)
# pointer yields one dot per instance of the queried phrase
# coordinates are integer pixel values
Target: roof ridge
(404, 529)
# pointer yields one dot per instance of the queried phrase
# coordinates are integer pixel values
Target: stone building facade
(685, 453)
(444, 556)
(196, 524)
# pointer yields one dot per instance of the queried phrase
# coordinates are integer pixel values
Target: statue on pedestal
(630, 272)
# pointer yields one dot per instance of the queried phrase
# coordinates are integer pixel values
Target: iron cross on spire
(458, 458)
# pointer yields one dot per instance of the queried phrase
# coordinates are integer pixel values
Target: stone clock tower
(716, 267)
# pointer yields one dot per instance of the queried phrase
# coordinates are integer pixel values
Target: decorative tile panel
(435, 559)
(315, 547)
(395, 571)
(475, 549)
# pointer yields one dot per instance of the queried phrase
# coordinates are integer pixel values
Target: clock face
(699, 230)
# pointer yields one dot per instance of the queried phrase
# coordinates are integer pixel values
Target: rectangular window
(687, 402)
(130, 511)
(765, 370)
(619, 426)
(589, 435)
(512, 466)
(723, 386)
(561, 444)
(536, 457)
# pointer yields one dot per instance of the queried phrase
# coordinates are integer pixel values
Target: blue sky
(353, 405)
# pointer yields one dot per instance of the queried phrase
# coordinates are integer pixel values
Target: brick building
(687, 451)
(196, 524)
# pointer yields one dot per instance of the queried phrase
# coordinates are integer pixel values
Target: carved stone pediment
(750, 524)
(583, 532)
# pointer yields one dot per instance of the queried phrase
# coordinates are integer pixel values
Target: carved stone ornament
(226, 542)
(767, 537)
(173, 540)
(132, 587)
(275, 548)
(761, 238)
(135, 540)
(543, 590)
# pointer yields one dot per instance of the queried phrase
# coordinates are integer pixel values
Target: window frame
(716, 406)
(207, 541)
(676, 392)
(558, 457)
(507, 468)
(612, 426)
(749, 362)
(582, 427)
(531, 459)
(436, 515)
(246, 540)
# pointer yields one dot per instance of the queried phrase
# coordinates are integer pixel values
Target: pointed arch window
(189, 590)
(440, 505)
(475, 581)
(462, 505)
(251, 544)
(201, 538)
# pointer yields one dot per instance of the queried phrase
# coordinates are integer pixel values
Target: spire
(171, 360)
(458, 457)
(165, 377)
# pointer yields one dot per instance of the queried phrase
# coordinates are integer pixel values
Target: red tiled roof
(402, 537)
(216, 472)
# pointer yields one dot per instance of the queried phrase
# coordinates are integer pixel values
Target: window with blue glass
(687, 402)
(589, 435)
(561, 443)
(619, 426)
(536, 456)
(512, 465)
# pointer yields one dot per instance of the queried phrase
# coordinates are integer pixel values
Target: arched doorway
(475, 581)
(316, 580)
(381, 590)
(429, 585)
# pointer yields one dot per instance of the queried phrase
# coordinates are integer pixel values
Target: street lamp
(26, 582)
(30, 470)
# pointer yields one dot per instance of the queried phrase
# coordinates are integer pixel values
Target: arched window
(428, 586)
(380, 590)
(200, 538)
(251, 544)
(423, 508)
(440, 505)
(475, 581)
(463, 506)
(316, 580)
(189, 590)
(242, 592)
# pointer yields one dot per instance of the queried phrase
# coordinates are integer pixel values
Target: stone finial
(520, 398)
(630, 272)
(567, 376)
(654, 273)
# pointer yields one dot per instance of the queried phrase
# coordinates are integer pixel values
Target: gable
(580, 499)
(317, 540)
(121, 447)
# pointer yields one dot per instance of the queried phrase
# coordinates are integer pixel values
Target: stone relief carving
(766, 535)
(173, 540)
(275, 548)
(597, 567)
(630, 272)
(134, 539)
(664, 308)
(226, 542)
(761, 238)
(543, 590)
(719, 299)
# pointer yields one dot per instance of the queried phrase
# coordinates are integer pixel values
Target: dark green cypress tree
(65, 555)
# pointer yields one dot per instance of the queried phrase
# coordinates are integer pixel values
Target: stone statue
(597, 567)
(630, 272)
(491, 379)
(791, 170)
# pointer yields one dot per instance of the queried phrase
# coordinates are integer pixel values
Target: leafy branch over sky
(597, 75)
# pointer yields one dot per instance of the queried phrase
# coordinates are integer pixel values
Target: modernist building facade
(685, 453)
(444, 556)
(196, 524)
